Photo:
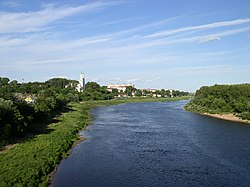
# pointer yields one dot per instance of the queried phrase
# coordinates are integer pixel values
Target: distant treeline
(222, 99)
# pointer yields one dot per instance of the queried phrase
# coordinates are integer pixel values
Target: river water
(157, 144)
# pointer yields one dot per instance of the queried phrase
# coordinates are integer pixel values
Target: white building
(81, 85)
(119, 87)
(149, 90)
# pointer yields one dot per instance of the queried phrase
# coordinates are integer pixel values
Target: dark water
(158, 144)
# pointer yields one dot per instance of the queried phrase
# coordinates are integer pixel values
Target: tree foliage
(94, 91)
(222, 99)
(17, 116)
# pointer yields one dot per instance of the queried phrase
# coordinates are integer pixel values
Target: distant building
(81, 85)
(119, 87)
(149, 90)
(156, 95)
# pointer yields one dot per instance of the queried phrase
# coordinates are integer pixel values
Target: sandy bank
(229, 117)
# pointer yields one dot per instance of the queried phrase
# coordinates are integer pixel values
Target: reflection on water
(157, 144)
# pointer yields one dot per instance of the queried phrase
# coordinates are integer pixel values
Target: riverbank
(30, 163)
(192, 107)
(229, 117)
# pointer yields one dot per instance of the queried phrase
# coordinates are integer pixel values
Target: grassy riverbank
(29, 163)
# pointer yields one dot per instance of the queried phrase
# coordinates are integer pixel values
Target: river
(157, 144)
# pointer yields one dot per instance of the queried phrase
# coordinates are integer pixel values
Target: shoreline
(51, 175)
(228, 117)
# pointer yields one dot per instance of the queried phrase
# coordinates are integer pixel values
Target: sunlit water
(157, 144)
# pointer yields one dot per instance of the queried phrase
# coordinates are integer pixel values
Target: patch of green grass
(30, 163)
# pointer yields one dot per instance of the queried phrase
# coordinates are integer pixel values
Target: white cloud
(139, 28)
(115, 50)
(119, 21)
(200, 27)
(209, 39)
(36, 20)
(103, 45)
(83, 52)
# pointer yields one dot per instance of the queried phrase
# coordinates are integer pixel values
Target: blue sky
(181, 44)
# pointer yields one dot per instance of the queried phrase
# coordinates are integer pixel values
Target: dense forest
(219, 99)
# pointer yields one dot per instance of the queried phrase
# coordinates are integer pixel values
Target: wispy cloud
(199, 27)
(136, 31)
(35, 20)
(125, 48)
(119, 21)
(46, 51)
(116, 42)
(210, 39)
(202, 69)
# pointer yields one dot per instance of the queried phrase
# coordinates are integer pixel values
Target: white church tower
(81, 85)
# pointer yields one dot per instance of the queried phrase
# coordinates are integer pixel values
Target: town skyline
(155, 44)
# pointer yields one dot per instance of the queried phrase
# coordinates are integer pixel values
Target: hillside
(222, 99)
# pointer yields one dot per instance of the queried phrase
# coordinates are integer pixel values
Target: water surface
(157, 144)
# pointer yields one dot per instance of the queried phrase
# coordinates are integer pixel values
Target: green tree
(57, 82)
(129, 90)
(94, 91)
(11, 121)
(115, 92)
(92, 86)
(4, 81)
(138, 93)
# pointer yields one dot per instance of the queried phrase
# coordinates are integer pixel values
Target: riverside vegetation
(222, 99)
(19, 118)
(30, 162)
(46, 129)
